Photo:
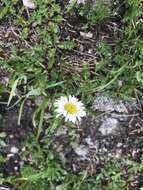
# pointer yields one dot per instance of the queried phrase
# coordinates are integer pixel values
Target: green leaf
(12, 93)
(67, 45)
(24, 33)
(139, 77)
(61, 187)
(34, 92)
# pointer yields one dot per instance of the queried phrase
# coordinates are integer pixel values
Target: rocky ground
(13, 136)
(112, 130)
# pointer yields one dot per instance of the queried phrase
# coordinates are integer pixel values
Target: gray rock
(14, 150)
(110, 126)
(114, 134)
(80, 150)
(107, 104)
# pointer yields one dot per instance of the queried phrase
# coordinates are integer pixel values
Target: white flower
(78, 1)
(71, 108)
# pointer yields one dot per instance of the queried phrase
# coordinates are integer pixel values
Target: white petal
(78, 118)
(60, 101)
(80, 104)
(70, 98)
(74, 100)
(66, 118)
(63, 99)
(71, 118)
(64, 113)
(82, 113)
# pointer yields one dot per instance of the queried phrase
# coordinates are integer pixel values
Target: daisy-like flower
(70, 108)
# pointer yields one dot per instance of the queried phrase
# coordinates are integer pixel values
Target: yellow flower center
(70, 108)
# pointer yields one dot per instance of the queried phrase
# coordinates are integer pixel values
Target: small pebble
(3, 135)
(23, 149)
(9, 156)
(86, 35)
(14, 150)
(21, 163)
(119, 145)
(11, 136)
(16, 161)
(15, 168)
(4, 188)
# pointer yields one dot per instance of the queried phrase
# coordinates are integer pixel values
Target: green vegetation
(35, 70)
(45, 171)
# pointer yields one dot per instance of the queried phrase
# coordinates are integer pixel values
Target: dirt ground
(112, 132)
